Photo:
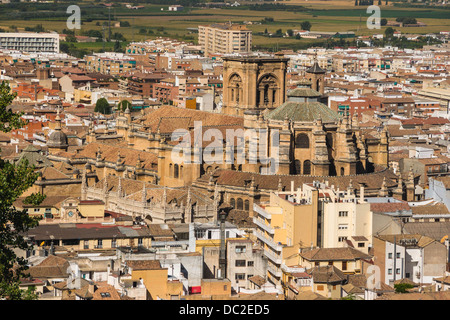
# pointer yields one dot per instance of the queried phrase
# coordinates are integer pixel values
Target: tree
(265, 31)
(71, 38)
(124, 104)
(306, 25)
(102, 106)
(402, 287)
(389, 32)
(15, 179)
(383, 22)
(124, 24)
(117, 46)
(290, 32)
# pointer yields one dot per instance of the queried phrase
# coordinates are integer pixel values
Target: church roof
(303, 112)
(315, 69)
(34, 157)
(303, 92)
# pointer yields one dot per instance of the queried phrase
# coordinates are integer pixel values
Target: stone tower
(253, 83)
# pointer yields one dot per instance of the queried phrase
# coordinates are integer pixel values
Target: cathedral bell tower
(253, 83)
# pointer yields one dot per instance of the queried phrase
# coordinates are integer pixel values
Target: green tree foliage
(15, 179)
(290, 32)
(402, 287)
(406, 20)
(124, 104)
(383, 21)
(389, 32)
(71, 38)
(102, 106)
(306, 25)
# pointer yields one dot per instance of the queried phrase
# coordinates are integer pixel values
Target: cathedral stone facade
(314, 142)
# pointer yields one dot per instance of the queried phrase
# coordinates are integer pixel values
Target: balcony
(276, 246)
(260, 223)
(275, 258)
(275, 271)
(261, 211)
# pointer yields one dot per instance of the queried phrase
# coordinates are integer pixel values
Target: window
(330, 263)
(302, 141)
(240, 276)
(239, 204)
(105, 294)
(225, 288)
(240, 263)
(246, 205)
(343, 227)
(398, 255)
(140, 242)
(250, 263)
(390, 255)
(240, 249)
(361, 244)
(344, 265)
(397, 271)
(343, 213)
(86, 244)
(113, 243)
(99, 243)
(389, 271)
(320, 287)
(307, 167)
(342, 239)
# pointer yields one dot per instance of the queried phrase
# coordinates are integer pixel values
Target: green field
(323, 16)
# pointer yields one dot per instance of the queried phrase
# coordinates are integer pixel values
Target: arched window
(302, 141)
(240, 167)
(267, 88)
(342, 171)
(247, 205)
(175, 171)
(307, 167)
(240, 204)
(298, 167)
(181, 171)
(233, 202)
(170, 170)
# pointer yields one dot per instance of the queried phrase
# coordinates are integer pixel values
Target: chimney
(91, 287)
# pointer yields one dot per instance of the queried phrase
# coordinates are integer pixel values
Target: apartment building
(112, 63)
(412, 256)
(30, 42)
(224, 39)
(316, 215)
(244, 262)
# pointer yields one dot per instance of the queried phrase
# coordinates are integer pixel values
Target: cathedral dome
(303, 112)
(57, 139)
(303, 92)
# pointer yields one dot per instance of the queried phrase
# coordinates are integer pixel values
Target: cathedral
(314, 142)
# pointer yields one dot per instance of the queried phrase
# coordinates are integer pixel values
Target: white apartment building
(30, 42)
(224, 39)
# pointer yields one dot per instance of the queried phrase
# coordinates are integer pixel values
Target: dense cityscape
(210, 169)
